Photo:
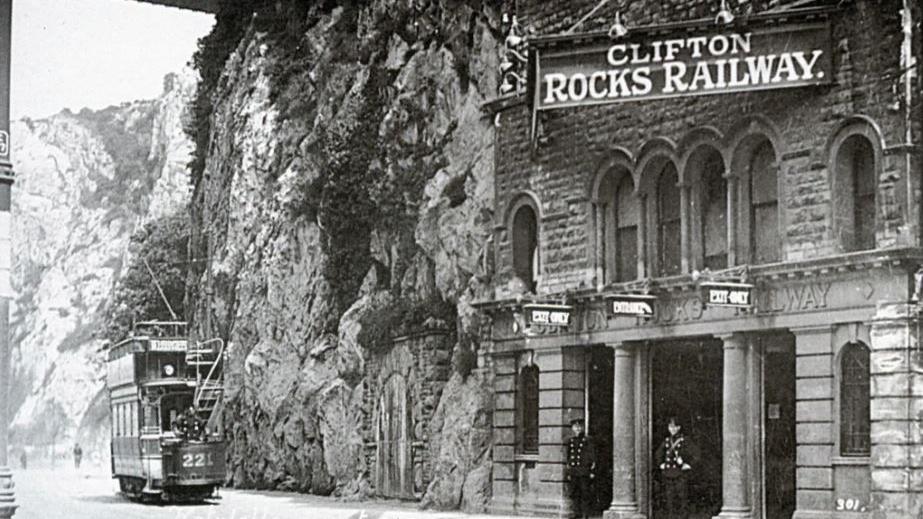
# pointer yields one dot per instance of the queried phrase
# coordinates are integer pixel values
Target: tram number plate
(200, 459)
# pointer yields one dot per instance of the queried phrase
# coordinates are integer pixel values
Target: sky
(96, 53)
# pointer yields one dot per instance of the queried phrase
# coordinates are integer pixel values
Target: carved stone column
(734, 467)
(624, 488)
(731, 217)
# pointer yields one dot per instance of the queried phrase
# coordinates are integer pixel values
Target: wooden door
(395, 463)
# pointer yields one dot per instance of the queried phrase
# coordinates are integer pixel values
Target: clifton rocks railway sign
(575, 71)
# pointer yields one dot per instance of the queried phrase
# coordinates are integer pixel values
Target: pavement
(92, 494)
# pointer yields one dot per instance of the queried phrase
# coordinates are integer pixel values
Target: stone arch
(692, 143)
(653, 155)
(750, 127)
(615, 158)
(526, 197)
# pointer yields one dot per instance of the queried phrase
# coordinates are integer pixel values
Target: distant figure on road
(23, 461)
(78, 455)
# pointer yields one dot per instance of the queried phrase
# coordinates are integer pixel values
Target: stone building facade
(765, 240)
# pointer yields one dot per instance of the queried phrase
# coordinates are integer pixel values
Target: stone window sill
(526, 458)
(850, 460)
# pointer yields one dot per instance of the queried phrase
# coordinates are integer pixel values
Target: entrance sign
(548, 315)
(632, 304)
(702, 60)
(735, 295)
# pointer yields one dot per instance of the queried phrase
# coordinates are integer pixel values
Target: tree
(163, 243)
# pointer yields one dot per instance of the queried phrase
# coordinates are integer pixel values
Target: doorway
(599, 384)
(393, 436)
(687, 383)
(779, 424)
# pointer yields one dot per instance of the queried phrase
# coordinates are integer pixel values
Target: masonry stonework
(779, 420)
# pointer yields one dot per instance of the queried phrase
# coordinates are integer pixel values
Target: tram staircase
(205, 365)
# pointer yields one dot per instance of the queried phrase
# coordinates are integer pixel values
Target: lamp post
(7, 497)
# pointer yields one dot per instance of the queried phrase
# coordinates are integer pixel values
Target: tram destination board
(548, 315)
(160, 345)
(733, 295)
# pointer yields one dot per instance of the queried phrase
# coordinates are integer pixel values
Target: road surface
(67, 494)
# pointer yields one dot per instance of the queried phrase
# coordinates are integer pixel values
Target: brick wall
(866, 41)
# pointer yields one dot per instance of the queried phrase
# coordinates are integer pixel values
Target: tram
(164, 394)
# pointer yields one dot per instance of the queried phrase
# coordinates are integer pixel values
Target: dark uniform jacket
(581, 456)
(675, 456)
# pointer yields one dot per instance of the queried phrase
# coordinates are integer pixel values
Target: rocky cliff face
(346, 197)
(84, 183)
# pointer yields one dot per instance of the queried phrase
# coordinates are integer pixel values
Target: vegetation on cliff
(161, 246)
(345, 196)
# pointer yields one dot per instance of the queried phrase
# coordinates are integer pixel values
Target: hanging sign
(632, 304)
(707, 60)
(548, 315)
(734, 295)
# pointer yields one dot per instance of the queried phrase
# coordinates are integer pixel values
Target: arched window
(765, 244)
(525, 246)
(714, 211)
(669, 244)
(620, 215)
(627, 214)
(855, 429)
(854, 204)
(528, 409)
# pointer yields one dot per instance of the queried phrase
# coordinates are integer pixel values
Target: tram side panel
(124, 408)
(126, 441)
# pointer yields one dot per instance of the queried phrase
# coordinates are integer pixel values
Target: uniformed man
(581, 469)
(188, 425)
(675, 459)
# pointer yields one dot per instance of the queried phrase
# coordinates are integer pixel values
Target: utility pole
(7, 497)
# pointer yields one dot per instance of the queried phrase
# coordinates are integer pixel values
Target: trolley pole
(7, 497)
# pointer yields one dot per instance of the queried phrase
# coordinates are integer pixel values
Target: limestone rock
(461, 438)
(84, 183)
(343, 183)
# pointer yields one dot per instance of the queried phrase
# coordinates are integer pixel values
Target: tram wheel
(131, 488)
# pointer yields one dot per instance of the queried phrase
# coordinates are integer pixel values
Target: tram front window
(171, 407)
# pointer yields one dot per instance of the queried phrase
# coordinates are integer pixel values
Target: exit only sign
(734, 295)
(548, 315)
